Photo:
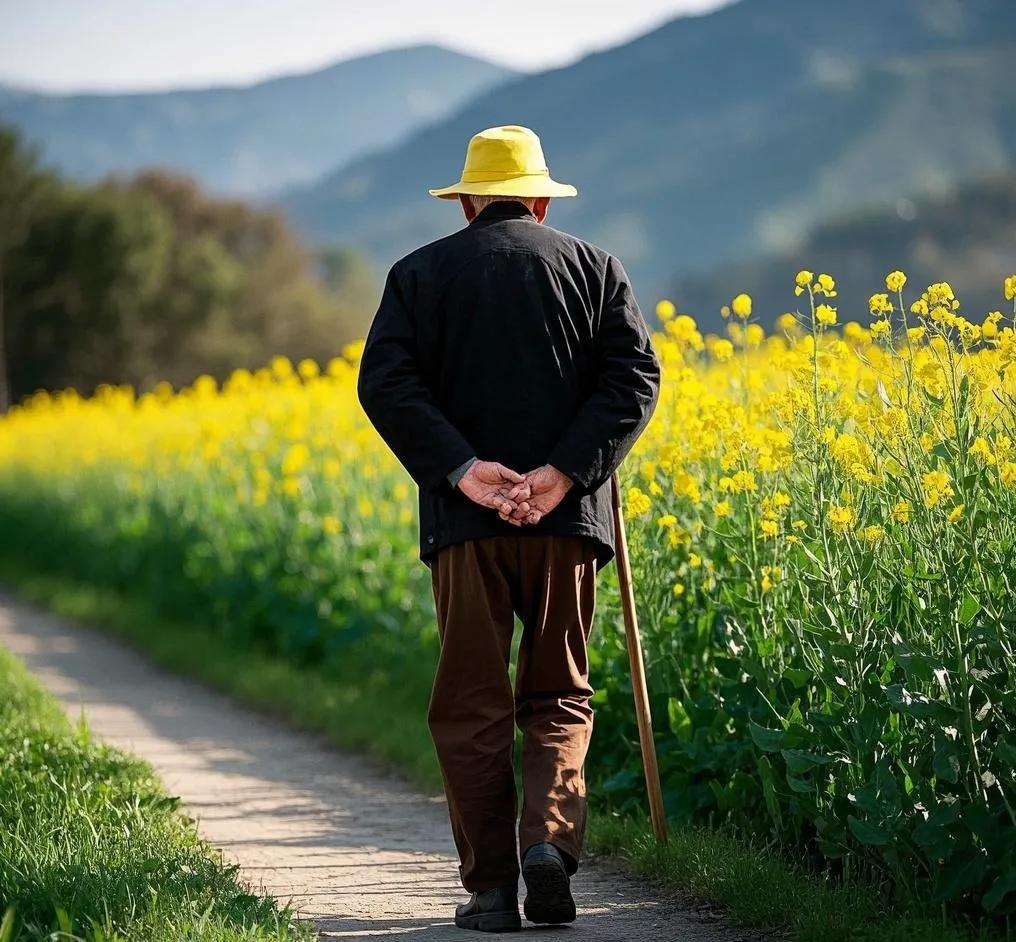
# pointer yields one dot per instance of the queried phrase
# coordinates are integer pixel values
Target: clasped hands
(519, 499)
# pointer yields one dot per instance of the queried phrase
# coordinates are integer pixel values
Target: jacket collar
(503, 209)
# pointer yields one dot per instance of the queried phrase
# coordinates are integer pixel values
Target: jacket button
(430, 537)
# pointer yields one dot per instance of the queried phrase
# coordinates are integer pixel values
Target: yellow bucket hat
(505, 161)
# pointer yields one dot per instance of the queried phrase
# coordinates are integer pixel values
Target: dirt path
(359, 853)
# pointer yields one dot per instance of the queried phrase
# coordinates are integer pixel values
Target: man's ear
(541, 207)
(467, 207)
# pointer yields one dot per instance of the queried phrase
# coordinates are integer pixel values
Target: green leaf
(768, 740)
(1005, 752)
(934, 834)
(918, 705)
(680, 722)
(915, 666)
(968, 610)
(867, 834)
(800, 760)
(800, 785)
(962, 873)
(765, 774)
(1002, 887)
(946, 762)
(798, 676)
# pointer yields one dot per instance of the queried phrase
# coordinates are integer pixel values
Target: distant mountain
(256, 139)
(967, 238)
(720, 136)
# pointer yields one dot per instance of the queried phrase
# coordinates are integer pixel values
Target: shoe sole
(548, 893)
(491, 922)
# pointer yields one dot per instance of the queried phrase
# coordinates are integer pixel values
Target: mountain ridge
(256, 138)
(961, 237)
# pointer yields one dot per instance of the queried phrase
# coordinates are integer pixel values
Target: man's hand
(491, 484)
(547, 487)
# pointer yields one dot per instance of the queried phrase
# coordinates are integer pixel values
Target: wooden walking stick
(638, 670)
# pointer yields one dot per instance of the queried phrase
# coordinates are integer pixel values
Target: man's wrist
(460, 472)
(566, 479)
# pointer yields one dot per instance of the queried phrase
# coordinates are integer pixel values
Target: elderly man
(510, 370)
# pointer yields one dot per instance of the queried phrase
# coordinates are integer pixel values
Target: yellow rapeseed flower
(840, 517)
(881, 330)
(825, 314)
(787, 322)
(937, 488)
(665, 310)
(901, 511)
(895, 281)
(722, 350)
(879, 304)
(741, 306)
(981, 449)
(296, 459)
(638, 502)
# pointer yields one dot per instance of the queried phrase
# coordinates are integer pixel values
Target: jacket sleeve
(627, 387)
(398, 401)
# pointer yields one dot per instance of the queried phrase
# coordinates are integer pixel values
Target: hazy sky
(138, 44)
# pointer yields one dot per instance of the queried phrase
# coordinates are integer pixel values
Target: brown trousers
(479, 587)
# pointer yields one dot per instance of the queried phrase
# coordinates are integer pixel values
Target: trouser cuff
(569, 851)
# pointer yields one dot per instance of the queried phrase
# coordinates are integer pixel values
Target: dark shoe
(548, 889)
(491, 911)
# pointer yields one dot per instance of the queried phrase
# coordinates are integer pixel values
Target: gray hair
(480, 203)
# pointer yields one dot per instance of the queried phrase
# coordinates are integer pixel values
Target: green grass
(379, 708)
(92, 848)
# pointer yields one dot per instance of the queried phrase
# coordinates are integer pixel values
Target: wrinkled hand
(491, 484)
(547, 488)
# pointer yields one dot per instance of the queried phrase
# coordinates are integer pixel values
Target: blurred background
(189, 187)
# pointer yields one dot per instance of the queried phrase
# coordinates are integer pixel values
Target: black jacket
(513, 342)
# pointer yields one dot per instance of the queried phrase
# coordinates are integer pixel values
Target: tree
(22, 187)
(83, 281)
(147, 279)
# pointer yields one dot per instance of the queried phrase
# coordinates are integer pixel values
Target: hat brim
(518, 186)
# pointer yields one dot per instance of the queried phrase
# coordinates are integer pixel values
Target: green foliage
(92, 847)
(149, 279)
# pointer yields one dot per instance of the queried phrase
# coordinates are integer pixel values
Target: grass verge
(379, 709)
(93, 849)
